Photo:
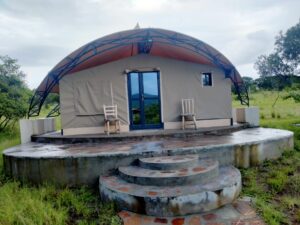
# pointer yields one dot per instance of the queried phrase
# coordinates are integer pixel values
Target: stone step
(169, 162)
(175, 200)
(241, 212)
(200, 173)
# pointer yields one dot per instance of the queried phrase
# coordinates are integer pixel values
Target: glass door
(144, 100)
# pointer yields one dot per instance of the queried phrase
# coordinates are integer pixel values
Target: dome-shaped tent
(156, 42)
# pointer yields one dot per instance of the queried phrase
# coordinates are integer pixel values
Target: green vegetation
(26, 204)
(275, 185)
(280, 69)
(14, 94)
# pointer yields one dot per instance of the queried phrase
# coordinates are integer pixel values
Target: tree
(248, 81)
(284, 62)
(288, 45)
(14, 94)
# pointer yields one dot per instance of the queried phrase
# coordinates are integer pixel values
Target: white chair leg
(195, 123)
(108, 127)
(183, 123)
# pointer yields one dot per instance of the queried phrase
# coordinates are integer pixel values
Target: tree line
(281, 69)
(14, 93)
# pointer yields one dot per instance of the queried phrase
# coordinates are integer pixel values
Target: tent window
(206, 79)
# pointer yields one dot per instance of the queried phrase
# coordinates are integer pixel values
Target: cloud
(41, 33)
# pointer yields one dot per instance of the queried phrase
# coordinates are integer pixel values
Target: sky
(41, 33)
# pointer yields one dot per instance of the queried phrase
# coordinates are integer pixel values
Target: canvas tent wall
(150, 41)
(83, 93)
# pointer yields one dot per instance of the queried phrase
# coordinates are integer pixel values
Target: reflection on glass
(151, 110)
(150, 85)
(145, 107)
(135, 89)
(136, 111)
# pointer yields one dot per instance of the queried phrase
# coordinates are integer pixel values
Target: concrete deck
(136, 135)
(82, 163)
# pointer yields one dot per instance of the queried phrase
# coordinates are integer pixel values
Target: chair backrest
(188, 107)
(110, 111)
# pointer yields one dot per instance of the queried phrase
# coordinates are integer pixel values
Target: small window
(206, 79)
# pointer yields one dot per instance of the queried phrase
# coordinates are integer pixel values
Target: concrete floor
(247, 136)
(83, 163)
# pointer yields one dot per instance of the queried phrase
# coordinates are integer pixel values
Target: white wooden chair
(111, 118)
(188, 113)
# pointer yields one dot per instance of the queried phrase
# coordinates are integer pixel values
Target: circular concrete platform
(82, 163)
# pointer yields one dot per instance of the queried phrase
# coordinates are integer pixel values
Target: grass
(46, 204)
(282, 109)
(274, 185)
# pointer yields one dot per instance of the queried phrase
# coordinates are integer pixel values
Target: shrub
(290, 202)
(293, 185)
(297, 216)
(270, 213)
(277, 181)
(273, 114)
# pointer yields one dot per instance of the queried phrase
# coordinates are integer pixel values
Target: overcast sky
(40, 33)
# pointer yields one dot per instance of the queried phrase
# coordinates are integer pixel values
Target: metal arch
(144, 41)
(55, 111)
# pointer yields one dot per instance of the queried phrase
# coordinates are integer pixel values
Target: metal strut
(144, 39)
(55, 111)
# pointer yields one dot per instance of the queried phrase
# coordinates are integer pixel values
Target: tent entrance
(144, 100)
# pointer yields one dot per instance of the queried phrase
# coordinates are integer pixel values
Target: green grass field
(275, 185)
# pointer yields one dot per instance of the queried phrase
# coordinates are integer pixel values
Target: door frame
(143, 125)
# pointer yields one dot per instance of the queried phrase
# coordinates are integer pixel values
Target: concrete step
(241, 212)
(175, 200)
(169, 162)
(200, 173)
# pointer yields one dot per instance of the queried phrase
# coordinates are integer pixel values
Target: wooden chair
(111, 118)
(188, 113)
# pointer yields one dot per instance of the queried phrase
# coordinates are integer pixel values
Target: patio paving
(44, 150)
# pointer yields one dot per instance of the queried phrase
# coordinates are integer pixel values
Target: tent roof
(156, 42)
(116, 46)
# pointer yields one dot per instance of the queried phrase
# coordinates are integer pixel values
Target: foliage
(284, 61)
(14, 94)
(25, 204)
(275, 188)
(22, 204)
(288, 45)
(294, 94)
(52, 99)
(275, 185)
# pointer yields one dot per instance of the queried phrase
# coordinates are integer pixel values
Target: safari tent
(146, 73)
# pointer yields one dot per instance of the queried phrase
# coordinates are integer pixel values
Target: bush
(270, 213)
(277, 181)
(273, 115)
(293, 185)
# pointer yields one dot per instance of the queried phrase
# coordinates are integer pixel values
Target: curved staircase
(169, 186)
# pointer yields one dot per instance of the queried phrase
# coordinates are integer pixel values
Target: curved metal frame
(144, 40)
